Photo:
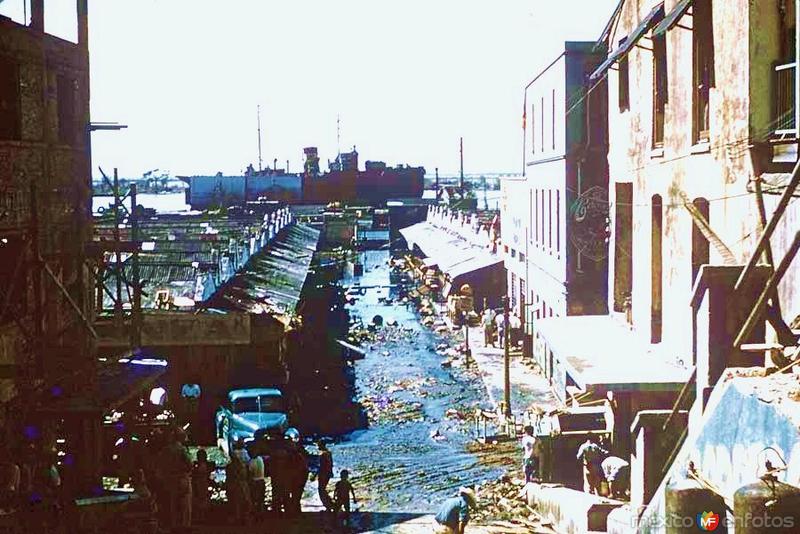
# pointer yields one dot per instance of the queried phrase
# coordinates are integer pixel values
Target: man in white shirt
(530, 457)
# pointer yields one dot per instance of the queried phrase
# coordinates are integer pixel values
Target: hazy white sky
(407, 78)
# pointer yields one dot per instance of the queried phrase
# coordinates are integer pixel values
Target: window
(542, 106)
(659, 89)
(521, 257)
(513, 253)
(513, 290)
(65, 89)
(558, 220)
(623, 89)
(703, 67)
(541, 210)
(522, 297)
(554, 120)
(9, 99)
(550, 219)
(623, 244)
(536, 215)
(656, 269)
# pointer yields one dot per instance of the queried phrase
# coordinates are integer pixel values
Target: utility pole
(259, 136)
(506, 360)
(136, 308)
(461, 153)
(467, 351)
(437, 184)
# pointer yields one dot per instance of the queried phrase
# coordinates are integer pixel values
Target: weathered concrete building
(699, 108)
(45, 203)
(553, 218)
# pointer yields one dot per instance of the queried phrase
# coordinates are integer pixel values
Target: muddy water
(413, 454)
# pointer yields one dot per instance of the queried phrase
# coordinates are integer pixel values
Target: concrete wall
(745, 418)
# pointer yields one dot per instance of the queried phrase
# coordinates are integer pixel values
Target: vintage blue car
(250, 413)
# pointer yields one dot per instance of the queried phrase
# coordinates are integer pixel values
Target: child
(341, 494)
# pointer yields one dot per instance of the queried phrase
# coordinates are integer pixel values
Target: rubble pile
(386, 409)
(502, 509)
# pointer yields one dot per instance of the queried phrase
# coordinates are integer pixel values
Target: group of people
(286, 464)
(599, 466)
(30, 486)
(494, 325)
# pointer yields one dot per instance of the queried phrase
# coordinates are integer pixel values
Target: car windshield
(261, 403)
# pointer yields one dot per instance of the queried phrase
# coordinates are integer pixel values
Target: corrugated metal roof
(273, 279)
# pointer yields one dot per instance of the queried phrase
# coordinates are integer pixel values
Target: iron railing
(784, 118)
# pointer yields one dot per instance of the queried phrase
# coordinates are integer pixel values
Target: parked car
(250, 413)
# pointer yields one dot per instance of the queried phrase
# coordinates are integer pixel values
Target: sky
(406, 78)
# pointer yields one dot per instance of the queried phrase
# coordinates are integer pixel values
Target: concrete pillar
(83, 23)
(651, 451)
(718, 314)
(37, 15)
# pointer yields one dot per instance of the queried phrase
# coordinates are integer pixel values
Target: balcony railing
(784, 118)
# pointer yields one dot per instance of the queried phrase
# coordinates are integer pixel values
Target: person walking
(297, 473)
(591, 454)
(500, 321)
(453, 515)
(342, 492)
(277, 464)
(488, 325)
(325, 475)
(530, 456)
(238, 490)
(177, 467)
(255, 470)
(201, 472)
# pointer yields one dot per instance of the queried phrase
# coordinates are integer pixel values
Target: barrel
(688, 505)
(766, 506)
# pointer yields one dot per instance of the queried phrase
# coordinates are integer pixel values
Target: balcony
(784, 121)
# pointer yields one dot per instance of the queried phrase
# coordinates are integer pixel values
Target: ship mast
(258, 115)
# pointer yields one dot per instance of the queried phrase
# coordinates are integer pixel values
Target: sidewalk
(528, 386)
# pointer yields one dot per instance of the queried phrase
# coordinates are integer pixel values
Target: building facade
(45, 203)
(701, 104)
(554, 216)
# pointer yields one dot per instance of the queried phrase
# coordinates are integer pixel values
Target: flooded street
(414, 452)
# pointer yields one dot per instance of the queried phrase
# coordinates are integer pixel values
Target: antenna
(461, 151)
(338, 126)
(258, 114)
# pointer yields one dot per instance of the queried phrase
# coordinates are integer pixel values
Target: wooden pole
(771, 286)
(770, 228)
(506, 360)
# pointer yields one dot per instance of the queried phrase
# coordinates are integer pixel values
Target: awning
(672, 19)
(596, 350)
(454, 255)
(273, 279)
(472, 264)
(116, 383)
(627, 44)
